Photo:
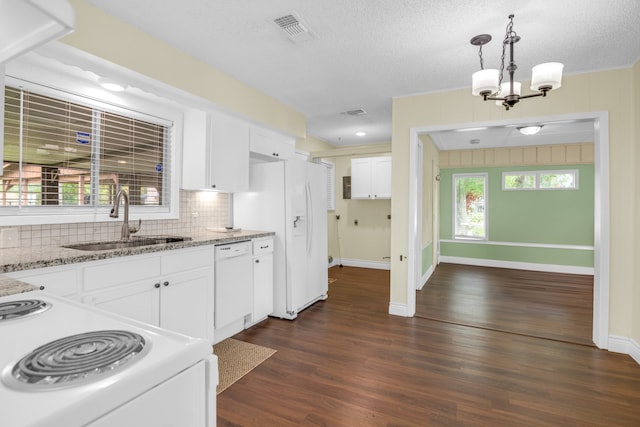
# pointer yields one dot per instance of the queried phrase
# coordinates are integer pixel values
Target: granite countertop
(17, 259)
(10, 286)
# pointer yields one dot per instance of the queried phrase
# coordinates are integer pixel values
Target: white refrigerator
(290, 198)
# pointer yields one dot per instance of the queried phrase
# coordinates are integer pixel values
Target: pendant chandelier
(489, 85)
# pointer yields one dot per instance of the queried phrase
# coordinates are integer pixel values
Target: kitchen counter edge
(18, 259)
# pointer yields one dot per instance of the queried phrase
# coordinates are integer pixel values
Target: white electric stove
(66, 364)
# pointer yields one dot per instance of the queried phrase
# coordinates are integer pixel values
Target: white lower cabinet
(174, 290)
(262, 280)
(138, 301)
(171, 289)
(186, 303)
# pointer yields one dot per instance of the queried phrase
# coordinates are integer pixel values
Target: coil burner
(76, 359)
(21, 308)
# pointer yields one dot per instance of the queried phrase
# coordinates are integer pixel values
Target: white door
(316, 250)
(262, 286)
(186, 303)
(138, 301)
(361, 178)
(296, 199)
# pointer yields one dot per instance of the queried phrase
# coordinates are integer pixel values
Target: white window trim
(484, 175)
(536, 174)
(331, 184)
(29, 74)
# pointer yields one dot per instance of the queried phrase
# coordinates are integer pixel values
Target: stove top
(17, 309)
(147, 357)
(76, 359)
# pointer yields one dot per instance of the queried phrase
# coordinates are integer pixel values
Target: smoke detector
(294, 28)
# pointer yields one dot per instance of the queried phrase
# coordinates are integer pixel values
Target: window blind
(61, 152)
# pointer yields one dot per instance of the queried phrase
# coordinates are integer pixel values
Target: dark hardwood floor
(546, 305)
(346, 362)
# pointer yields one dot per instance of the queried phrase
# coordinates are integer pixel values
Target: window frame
(537, 174)
(485, 177)
(135, 104)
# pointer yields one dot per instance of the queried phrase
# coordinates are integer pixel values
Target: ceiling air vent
(293, 27)
(358, 112)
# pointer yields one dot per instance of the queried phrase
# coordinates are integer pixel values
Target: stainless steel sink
(123, 244)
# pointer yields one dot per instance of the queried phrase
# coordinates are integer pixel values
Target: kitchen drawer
(103, 274)
(61, 281)
(262, 246)
(187, 260)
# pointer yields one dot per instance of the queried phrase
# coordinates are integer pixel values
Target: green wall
(558, 217)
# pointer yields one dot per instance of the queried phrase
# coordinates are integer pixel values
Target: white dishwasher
(233, 282)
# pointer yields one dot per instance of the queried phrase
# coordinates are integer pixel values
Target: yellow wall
(311, 144)
(105, 36)
(559, 154)
(601, 91)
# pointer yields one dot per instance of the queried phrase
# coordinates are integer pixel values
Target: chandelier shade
(485, 81)
(546, 75)
(505, 88)
(489, 84)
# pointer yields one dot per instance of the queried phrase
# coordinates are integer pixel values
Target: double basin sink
(134, 242)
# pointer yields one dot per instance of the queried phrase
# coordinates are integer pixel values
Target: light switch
(9, 238)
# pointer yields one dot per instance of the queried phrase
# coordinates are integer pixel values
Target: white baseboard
(625, 345)
(378, 265)
(551, 268)
(425, 277)
(398, 309)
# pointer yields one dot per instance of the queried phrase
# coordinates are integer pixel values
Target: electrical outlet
(9, 238)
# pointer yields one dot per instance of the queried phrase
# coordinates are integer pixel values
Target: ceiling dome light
(360, 133)
(530, 130)
(111, 85)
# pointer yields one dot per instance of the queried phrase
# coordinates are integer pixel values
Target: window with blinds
(61, 152)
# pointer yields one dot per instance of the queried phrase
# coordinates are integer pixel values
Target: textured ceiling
(364, 52)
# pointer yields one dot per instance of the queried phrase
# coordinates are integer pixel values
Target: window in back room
(470, 206)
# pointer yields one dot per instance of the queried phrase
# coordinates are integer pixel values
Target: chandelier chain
(509, 36)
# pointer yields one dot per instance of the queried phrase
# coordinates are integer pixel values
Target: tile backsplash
(198, 210)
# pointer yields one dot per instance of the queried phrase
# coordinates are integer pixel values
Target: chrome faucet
(126, 230)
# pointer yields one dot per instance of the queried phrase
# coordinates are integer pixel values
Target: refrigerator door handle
(309, 216)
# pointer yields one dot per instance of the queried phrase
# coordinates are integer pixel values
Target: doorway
(601, 210)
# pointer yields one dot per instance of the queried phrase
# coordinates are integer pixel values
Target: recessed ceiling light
(111, 85)
(360, 133)
(530, 130)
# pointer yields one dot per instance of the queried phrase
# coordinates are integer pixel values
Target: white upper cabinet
(215, 152)
(272, 145)
(229, 155)
(371, 178)
(27, 24)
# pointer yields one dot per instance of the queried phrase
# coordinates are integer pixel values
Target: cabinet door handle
(257, 261)
(42, 288)
(157, 285)
(166, 283)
